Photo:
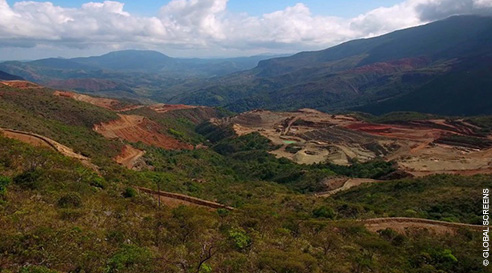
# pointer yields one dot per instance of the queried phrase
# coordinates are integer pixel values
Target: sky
(207, 28)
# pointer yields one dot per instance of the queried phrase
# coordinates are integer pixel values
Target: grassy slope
(62, 119)
(57, 214)
(440, 197)
(69, 220)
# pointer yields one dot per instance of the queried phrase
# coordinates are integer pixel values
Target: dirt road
(176, 199)
(403, 225)
(349, 183)
(42, 141)
(129, 156)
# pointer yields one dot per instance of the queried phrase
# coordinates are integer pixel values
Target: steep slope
(368, 71)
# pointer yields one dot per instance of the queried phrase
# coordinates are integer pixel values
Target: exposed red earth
(419, 148)
(107, 103)
(21, 84)
(132, 128)
(135, 129)
(129, 157)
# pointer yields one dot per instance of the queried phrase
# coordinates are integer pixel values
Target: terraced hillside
(418, 147)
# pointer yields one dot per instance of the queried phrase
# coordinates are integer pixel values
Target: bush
(28, 179)
(129, 193)
(70, 200)
(130, 259)
(98, 182)
(240, 239)
(324, 212)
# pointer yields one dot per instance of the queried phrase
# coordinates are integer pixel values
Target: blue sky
(346, 8)
(207, 28)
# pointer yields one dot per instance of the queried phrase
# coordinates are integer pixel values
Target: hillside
(8, 77)
(440, 68)
(144, 206)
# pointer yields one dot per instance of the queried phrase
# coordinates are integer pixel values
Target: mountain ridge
(326, 79)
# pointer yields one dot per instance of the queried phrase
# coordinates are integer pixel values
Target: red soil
(21, 84)
(129, 156)
(397, 131)
(139, 129)
(110, 104)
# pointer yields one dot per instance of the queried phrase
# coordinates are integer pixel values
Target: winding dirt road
(42, 141)
(176, 199)
(129, 156)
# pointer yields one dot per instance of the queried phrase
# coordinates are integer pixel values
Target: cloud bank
(207, 25)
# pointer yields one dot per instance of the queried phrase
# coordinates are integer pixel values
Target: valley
(368, 156)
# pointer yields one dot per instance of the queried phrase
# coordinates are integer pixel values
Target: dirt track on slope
(129, 157)
(405, 225)
(42, 141)
(349, 183)
(176, 199)
(164, 108)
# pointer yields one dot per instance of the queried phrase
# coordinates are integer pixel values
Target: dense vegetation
(440, 197)
(61, 217)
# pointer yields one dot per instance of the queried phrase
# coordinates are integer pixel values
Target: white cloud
(206, 25)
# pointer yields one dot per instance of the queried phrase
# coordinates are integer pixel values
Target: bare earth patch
(129, 157)
(107, 103)
(21, 84)
(135, 129)
(415, 146)
(404, 225)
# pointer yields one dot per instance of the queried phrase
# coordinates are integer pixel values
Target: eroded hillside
(419, 147)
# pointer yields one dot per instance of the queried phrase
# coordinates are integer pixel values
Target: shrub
(324, 212)
(28, 179)
(130, 259)
(129, 193)
(70, 200)
(98, 182)
(240, 239)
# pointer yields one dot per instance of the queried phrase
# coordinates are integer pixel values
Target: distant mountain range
(139, 61)
(444, 67)
(129, 73)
